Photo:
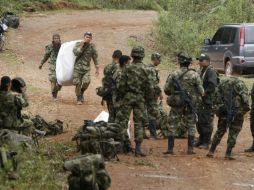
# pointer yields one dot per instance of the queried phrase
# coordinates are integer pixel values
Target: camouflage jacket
(190, 82)
(134, 85)
(210, 81)
(154, 77)
(116, 95)
(10, 107)
(50, 53)
(108, 81)
(84, 56)
(239, 96)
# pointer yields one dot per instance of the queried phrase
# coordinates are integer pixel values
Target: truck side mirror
(207, 41)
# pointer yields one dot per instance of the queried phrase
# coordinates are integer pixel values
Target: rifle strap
(185, 72)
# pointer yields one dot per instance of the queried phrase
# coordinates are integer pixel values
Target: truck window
(249, 35)
(217, 36)
(228, 35)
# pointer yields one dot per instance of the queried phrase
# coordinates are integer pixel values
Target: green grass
(40, 168)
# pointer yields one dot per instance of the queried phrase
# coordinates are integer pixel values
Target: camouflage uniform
(240, 105)
(134, 87)
(51, 53)
(180, 115)
(152, 105)
(251, 149)
(205, 112)
(10, 116)
(107, 83)
(81, 74)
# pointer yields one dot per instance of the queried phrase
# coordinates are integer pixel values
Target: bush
(186, 23)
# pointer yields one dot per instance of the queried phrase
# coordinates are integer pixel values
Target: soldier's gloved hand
(40, 67)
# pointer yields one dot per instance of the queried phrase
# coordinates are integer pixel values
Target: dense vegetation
(183, 24)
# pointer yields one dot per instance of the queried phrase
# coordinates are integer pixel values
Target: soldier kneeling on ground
(12, 99)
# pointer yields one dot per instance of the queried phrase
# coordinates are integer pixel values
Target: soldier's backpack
(87, 172)
(101, 137)
(11, 19)
(51, 128)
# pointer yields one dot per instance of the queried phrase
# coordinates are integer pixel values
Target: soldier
(184, 90)
(11, 104)
(205, 113)
(152, 105)
(251, 149)
(85, 51)
(51, 52)
(231, 104)
(135, 88)
(108, 85)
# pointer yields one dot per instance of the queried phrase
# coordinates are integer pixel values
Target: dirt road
(111, 31)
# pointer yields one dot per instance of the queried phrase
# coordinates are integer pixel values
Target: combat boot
(82, 95)
(210, 154)
(171, 142)
(199, 141)
(251, 149)
(190, 145)
(79, 100)
(228, 155)
(205, 143)
(152, 129)
(54, 95)
(138, 152)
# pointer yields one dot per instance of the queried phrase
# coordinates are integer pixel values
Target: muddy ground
(111, 30)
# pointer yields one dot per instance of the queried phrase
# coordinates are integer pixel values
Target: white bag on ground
(65, 63)
(103, 116)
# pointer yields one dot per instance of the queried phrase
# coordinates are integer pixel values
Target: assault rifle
(184, 96)
(5, 156)
(231, 109)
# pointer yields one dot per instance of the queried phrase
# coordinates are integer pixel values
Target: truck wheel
(229, 68)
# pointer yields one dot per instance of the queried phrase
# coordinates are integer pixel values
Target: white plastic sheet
(65, 63)
(103, 116)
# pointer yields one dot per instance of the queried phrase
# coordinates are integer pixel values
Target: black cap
(203, 57)
(5, 80)
(88, 34)
(117, 54)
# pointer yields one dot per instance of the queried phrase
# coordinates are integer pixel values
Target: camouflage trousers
(153, 111)
(111, 110)
(163, 121)
(123, 115)
(181, 118)
(233, 130)
(81, 80)
(205, 121)
(55, 87)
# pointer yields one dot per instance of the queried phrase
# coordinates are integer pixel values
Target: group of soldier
(129, 85)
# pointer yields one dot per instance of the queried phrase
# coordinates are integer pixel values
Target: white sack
(65, 63)
(103, 116)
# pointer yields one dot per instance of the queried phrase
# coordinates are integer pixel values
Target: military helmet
(156, 56)
(138, 52)
(17, 83)
(184, 58)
